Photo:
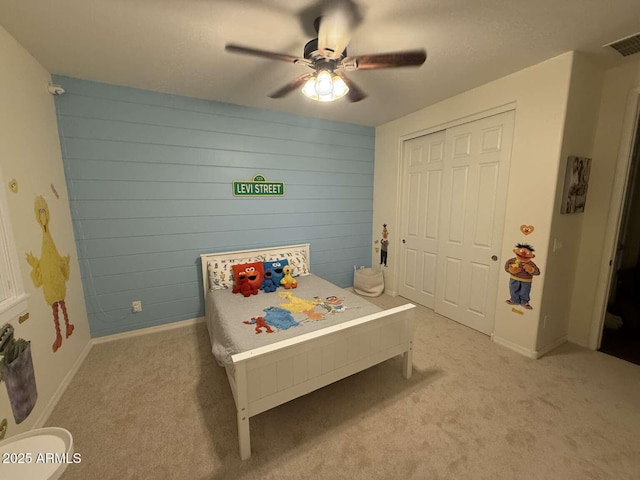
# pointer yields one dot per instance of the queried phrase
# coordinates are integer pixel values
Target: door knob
(494, 258)
(404, 241)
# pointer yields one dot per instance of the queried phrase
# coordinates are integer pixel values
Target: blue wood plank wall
(149, 179)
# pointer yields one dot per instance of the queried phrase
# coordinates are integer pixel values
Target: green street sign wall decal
(258, 187)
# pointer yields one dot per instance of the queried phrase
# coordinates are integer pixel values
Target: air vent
(626, 46)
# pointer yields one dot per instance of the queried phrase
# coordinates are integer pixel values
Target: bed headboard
(265, 252)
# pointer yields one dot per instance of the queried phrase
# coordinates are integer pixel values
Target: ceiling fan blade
(337, 21)
(291, 86)
(354, 94)
(408, 58)
(263, 53)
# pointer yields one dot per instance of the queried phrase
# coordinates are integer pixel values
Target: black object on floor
(622, 344)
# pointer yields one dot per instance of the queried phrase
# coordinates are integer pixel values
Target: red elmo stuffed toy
(248, 278)
(242, 285)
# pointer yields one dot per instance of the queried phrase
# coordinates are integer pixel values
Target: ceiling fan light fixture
(325, 87)
(340, 88)
(324, 84)
(309, 89)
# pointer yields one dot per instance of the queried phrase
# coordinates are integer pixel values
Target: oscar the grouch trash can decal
(16, 371)
(51, 272)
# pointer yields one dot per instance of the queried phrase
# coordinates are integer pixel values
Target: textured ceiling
(177, 46)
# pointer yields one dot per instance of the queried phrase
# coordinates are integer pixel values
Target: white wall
(579, 132)
(30, 153)
(618, 83)
(540, 94)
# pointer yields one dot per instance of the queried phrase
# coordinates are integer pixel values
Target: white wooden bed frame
(268, 376)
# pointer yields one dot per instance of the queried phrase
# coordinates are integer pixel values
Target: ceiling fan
(327, 58)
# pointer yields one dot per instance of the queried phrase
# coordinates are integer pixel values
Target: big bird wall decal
(51, 272)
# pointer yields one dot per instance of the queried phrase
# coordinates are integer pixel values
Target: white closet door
(422, 189)
(475, 181)
(453, 205)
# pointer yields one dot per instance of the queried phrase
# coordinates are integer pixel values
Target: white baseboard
(146, 331)
(513, 346)
(44, 416)
(53, 401)
(535, 354)
(546, 349)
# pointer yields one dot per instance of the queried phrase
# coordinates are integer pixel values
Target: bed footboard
(272, 375)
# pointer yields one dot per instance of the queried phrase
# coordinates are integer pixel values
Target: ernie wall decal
(522, 270)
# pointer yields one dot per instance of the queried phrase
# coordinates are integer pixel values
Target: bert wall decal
(522, 270)
(51, 272)
(384, 245)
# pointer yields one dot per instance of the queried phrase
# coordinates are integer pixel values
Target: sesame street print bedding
(237, 323)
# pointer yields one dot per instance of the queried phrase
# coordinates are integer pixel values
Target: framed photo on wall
(576, 183)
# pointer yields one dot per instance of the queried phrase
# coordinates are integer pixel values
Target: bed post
(407, 357)
(242, 410)
(407, 361)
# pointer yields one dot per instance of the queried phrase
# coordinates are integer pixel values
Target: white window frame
(13, 298)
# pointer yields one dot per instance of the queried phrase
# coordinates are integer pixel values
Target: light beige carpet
(158, 407)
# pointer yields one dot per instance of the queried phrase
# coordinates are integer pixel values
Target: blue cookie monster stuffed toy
(272, 275)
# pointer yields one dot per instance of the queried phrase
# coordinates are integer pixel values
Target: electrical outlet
(136, 306)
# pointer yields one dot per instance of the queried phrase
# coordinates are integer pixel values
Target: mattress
(237, 324)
